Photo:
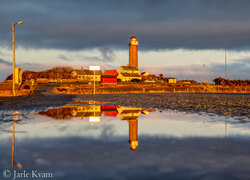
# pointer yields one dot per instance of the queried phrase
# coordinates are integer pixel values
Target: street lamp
(13, 36)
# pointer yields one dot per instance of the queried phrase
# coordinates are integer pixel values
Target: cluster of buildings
(129, 73)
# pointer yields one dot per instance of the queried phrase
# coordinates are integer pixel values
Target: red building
(109, 77)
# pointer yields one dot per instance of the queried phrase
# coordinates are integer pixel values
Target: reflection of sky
(171, 146)
(165, 124)
(156, 158)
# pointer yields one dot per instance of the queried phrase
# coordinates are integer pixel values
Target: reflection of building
(128, 113)
(69, 111)
(133, 54)
(86, 111)
(109, 111)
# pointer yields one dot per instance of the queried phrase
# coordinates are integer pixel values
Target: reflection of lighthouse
(133, 56)
(133, 132)
(131, 115)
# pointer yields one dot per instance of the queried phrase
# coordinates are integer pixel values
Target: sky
(178, 38)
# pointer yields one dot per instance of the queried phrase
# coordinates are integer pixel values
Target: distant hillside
(60, 72)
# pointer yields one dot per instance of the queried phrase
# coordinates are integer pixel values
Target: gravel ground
(234, 105)
(41, 100)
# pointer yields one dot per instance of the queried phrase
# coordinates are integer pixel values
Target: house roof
(109, 76)
(108, 108)
(87, 72)
(128, 118)
(133, 68)
(110, 113)
(130, 111)
(144, 73)
(111, 72)
(130, 74)
(150, 76)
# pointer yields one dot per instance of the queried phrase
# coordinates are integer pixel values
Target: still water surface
(95, 141)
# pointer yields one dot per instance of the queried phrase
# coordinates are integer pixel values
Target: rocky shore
(233, 105)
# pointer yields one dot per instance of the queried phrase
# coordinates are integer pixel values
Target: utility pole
(225, 55)
(13, 45)
(14, 68)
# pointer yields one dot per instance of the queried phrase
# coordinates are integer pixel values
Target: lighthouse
(133, 55)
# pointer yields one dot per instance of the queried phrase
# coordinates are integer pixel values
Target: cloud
(63, 57)
(204, 72)
(75, 25)
(155, 158)
(5, 62)
(106, 55)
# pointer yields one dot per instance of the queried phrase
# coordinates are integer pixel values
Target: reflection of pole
(94, 108)
(13, 75)
(94, 81)
(225, 134)
(13, 143)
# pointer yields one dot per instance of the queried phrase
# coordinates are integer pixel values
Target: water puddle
(101, 137)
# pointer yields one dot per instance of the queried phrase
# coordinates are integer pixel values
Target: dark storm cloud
(158, 24)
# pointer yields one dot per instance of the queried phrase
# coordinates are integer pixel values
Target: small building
(171, 80)
(146, 77)
(87, 75)
(18, 76)
(109, 77)
(128, 74)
